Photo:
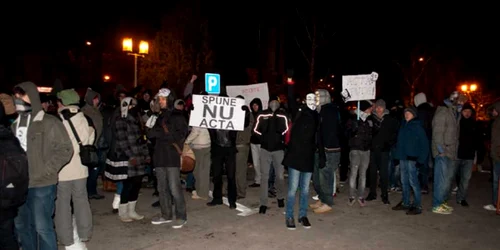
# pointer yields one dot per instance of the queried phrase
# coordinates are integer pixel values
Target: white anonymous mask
(311, 101)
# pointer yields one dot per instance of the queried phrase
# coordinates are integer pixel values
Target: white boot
(77, 243)
(116, 203)
(123, 213)
(131, 211)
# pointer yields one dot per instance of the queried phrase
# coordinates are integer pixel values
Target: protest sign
(259, 90)
(359, 87)
(215, 112)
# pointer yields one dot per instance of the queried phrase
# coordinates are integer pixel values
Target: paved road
(375, 226)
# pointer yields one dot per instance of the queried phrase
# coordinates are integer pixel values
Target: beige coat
(74, 170)
(198, 138)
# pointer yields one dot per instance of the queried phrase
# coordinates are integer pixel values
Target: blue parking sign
(212, 83)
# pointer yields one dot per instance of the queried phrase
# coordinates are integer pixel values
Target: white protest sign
(259, 90)
(359, 87)
(215, 112)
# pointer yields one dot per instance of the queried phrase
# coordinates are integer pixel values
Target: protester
(495, 154)
(243, 147)
(256, 106)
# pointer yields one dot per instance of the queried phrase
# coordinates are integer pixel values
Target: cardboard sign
(359, 87)
(259, 90)
(215, 112)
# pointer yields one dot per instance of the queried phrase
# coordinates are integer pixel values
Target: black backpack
(14, 178)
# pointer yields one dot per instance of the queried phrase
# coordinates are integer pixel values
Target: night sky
(360, 45)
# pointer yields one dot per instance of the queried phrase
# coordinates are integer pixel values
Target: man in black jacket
(385, 132)
(328, 156)
(271, 126)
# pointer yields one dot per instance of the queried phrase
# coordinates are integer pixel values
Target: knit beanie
(380, 103)
(364, 105)
(69, 97)
(412, 110)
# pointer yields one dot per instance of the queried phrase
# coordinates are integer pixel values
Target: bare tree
(413, 70)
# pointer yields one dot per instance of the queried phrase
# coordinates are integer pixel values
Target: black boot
(371, 197)
(281, 202)
(385, 200)
(262, 210)
(290, 224)
(214, 203)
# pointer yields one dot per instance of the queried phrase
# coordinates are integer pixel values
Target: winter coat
(244, 137)
(94, 113)
(254, 139)
(302, 145)
(359, 133)
(329, 127)
(271, 128)
(75, 170)
(469, 139)
(198, 138)
(445, 131)
(168, 142)
(385, 132)
(495, 135)
(412, 142)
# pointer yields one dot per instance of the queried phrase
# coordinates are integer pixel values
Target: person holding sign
(271, 127)
(170, 131)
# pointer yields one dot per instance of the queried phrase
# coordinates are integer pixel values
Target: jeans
(360, 160)
(409, 179)
(119, 187)
(297, 180)
(94, 173)
(464, 169)
(169, 186)
(224, 158)
(441, 180)
(423, 174)
(323, 178)
(394, 174)
(271, 160)
(272, 178)
(379, 161)
(34, 223)
(255, 148)
(190, 181)
(8, 239)
(496, 176)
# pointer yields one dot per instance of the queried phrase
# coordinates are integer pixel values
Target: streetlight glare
(473, 87)
(143, 47)
(421, 59)
(464, 88)
(320, 80)
(107, 77)
(127, 44)
(88, 43)
(333, 76)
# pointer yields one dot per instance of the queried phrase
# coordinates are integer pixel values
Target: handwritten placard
(359, 87)
(259, 90)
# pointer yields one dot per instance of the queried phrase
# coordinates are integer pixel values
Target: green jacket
(48, 145)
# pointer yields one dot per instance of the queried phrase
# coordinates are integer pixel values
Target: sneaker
(262, 209)
(490, 207)
(156, 204)
(160, 220)
(316, 205)
(316, 197)
(195, 196)
(96, 196)
(393, 189)
(179, 224)
(448, 207)
(214, 203)
(361, 201)
(401, 207)
(254, 185)
(351, 201)
(386, 201)
(441, 210)
(323, 209)
(455, 190)
(305, 222)
(414, 211)
(290, 224)
(463, 203)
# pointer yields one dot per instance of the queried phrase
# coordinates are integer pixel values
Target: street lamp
(421, 59)
(464, 87)
(473, 87)
(107, 78)
(128, 45)
(88, 43)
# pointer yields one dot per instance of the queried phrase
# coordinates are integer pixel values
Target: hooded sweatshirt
(445, 131)
(94, 113)
(48, 146)
(255, 138)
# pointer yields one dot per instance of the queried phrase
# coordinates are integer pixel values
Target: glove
(132, 162)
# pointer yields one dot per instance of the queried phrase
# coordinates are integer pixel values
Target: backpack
(14, 178)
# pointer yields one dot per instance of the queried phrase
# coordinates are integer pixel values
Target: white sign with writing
(259, 90)
(359, 87)
(215, 112)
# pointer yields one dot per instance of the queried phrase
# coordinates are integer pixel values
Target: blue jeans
(272, 178)
(409, 179)
(94, 173)
(496, 175)
(424, 174)
(297, 180)
(190, 181)
(464, 170)
(442, 182)
(119, 187)
(323, 178)
(34, 223)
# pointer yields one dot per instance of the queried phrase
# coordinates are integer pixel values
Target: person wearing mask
(256, 106)
(411, 149)
(299, 159)
(243, 147)
(468, 144)
(495, 154)
(72, 186)
(271, 127)
(223, 153)
(129, 160)
(385, 131)
(48, 149)
(14, 181)
(91, 110)
(328, 151)
(445, 133)
(425, 113)
(359, 132)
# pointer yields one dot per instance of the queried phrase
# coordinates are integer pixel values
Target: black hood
(90, 95)
(32, 92)
(258, 102)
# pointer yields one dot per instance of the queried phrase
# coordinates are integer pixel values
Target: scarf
(22, 106)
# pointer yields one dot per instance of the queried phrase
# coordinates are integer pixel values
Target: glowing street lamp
(128, 45)
(421, 59)
(88, 43)
(464, 87)
(473, 87)
(107, 78)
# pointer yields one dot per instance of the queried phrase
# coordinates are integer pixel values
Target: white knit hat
(163, 92)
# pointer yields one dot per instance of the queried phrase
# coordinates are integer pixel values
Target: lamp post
(143, 50)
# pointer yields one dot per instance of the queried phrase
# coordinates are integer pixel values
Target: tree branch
(405, 76)
(305, 24)
(301, 50)
(422, 70)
